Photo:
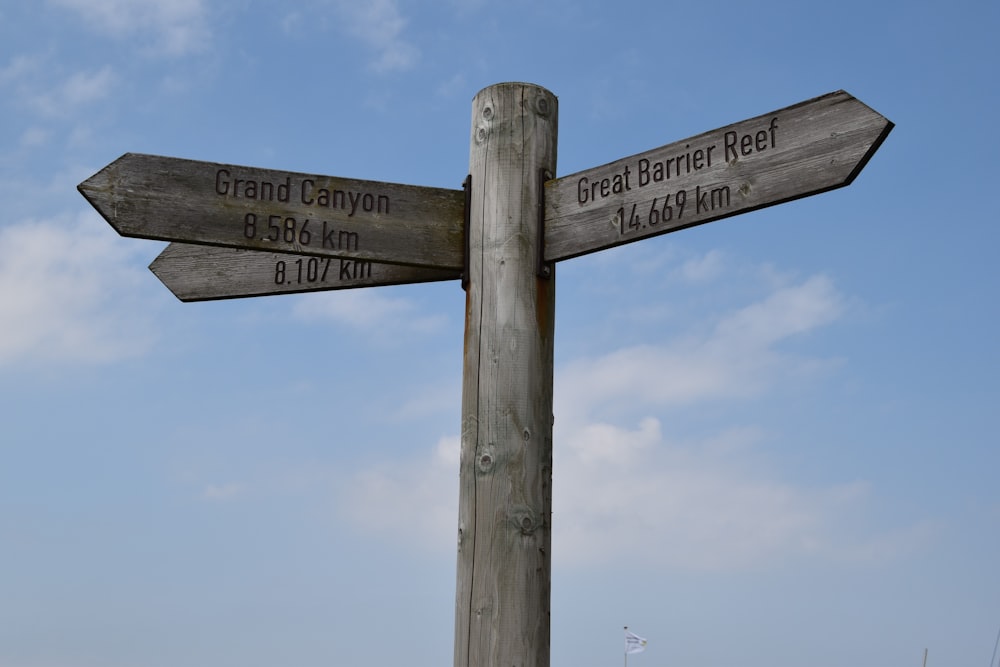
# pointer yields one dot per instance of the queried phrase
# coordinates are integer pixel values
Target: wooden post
(505, 498)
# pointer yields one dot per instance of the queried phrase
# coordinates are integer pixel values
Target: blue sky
(775, 437)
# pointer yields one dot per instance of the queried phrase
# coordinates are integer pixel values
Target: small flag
(634, 643)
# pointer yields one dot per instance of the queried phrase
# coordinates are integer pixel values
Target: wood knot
(524, 520)
(486, 459)
(542, 106)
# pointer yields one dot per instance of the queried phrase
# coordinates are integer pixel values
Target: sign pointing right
(804, 149)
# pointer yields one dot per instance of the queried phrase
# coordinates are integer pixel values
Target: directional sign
(260, 232)
(204, 273)
(811, 147)
(170, 199)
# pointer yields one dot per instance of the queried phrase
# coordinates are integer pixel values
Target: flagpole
(626, 649)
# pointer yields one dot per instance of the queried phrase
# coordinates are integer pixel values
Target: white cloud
(703, 269)
(379, 24)
(736, 358)
(176, 27)
(25, 76)
(20, 67)
(67, 288)
(789, 311)
(80, 89)
(413, 504)
(627, 493)
(622, 488)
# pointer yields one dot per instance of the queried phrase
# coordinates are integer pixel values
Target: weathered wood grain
(505, 501)
(171, 199)
(804, 149)
(205, 273)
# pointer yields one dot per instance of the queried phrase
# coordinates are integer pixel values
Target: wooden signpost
(280, 232)
(802, 150)
(204, 273)
(164, 198)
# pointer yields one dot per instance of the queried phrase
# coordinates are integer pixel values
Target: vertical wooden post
(505, 497)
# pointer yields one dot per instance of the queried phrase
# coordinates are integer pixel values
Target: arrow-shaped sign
(204, 273)
(170, 199)
(805, 149)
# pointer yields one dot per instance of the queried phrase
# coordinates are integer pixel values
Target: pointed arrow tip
(99, 189)
(160, 267)
(89, 189)
(102, 177)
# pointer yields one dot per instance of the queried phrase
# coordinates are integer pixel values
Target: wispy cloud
(380, 25)
(33, 88)
(66, 291)
(416, 505)
(79, 90)
(172, 27)
(704, 505)
(19, 68)
(737, 357)
(623, 486)
(704, 268)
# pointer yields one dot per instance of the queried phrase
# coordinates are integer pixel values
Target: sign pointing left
(204, 273)
(170, 199)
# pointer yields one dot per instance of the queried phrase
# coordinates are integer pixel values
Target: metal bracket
(542, 270)
(467, 186)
